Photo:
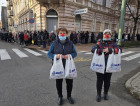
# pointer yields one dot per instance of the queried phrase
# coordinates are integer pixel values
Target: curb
(132, 86)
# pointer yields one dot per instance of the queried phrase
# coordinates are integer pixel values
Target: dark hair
(61, 29)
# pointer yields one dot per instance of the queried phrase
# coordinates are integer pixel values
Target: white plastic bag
(57, 70)
(70, 69)
(114, 62)
(98, 63)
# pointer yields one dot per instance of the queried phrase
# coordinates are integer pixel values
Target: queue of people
(63, 48)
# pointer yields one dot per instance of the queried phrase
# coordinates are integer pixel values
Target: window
(95, 1)
(104, 2)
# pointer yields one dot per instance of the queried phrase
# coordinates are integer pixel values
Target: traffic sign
(81, 11)
(31, 20)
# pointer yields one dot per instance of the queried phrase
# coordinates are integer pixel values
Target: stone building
(51, 14)
(4, 18)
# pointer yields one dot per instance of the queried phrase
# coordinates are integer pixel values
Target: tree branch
(130, 10)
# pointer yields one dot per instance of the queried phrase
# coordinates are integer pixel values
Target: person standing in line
(86, 37)
(26, 38)
(63, 47)
(107, 46)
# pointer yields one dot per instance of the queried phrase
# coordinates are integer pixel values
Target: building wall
(97, 19)
(4, 18)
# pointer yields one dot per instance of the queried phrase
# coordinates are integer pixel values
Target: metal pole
(121, 22)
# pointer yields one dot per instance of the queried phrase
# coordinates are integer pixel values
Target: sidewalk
(133, 85)
(79, 47)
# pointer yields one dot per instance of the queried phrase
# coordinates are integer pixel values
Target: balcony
(11, 13)
(8, 7)
(10, 3)
(51, 1)
(9, 16)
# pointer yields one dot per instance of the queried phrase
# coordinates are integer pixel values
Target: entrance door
(78, 22)
(52, 20)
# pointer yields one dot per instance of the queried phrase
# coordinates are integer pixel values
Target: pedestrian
(107, 46)
(35, 38)
(86, 37)
(44, 39)
(26, 38)
(92, 37)
(21, 39)
(63, 47)
(71, 36)
(39, 38)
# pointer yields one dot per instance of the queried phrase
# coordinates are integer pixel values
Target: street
(24, 79)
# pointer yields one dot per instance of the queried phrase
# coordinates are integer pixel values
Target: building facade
(0, 25)
(51, 14)
(4, 18)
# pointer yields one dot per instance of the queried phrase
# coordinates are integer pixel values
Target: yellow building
(0, 25)
(96, 15)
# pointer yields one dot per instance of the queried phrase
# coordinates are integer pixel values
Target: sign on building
(81, 11)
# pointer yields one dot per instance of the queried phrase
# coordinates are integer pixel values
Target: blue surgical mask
(106, 40)
(62, 38)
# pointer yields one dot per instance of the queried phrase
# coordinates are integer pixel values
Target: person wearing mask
(63, 47)
(107, 46)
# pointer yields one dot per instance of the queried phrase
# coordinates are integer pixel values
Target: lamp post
(121, 22)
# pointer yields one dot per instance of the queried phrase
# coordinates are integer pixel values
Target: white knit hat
(107, 30)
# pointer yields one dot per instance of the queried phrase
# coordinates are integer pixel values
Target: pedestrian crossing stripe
(4, 54)
(19, 53)
(44, 51)
(126, 53)
(131, 57)
(33, 52)
(88, 53)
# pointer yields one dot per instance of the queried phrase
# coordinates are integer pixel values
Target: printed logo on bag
(53, 73)
(69, 71)
(98, 65)
(112, 65)
(73, 70)
(61, 72)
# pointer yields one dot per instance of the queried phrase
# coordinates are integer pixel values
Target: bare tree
(133, 7)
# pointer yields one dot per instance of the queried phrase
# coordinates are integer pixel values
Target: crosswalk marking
(19, 53)
(126, 53)
(33, 52)
(131, 57)
(88, 53)
(82, 52)
(44, 51)
(4, 54)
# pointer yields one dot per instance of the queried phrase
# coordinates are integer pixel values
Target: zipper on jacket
(63, 49)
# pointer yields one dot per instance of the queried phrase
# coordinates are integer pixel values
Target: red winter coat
(26, 37)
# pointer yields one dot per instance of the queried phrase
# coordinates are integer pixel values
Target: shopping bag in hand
(98, 63)
(57, 70)
(114, 62)
(70, 69)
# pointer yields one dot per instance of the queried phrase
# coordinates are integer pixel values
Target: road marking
(33, 52)
(131, 57)
(126, 53)
(19, 53)
(88, 53)
(4, 54)
(44, 51)
(82, 51)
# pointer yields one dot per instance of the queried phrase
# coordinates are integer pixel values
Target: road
(24, 79)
